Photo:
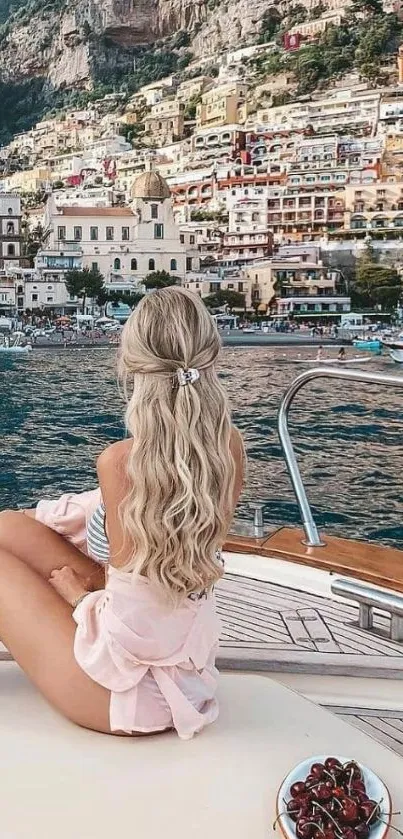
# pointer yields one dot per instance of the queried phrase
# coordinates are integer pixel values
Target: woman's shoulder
(114, 454)
(237, 445)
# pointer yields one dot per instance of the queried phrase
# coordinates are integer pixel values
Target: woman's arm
(111, 468)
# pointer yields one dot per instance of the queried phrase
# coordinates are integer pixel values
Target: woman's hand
(68, 584)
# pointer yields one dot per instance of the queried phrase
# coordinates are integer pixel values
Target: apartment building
(223, 105)
(376, 206)
(305, 290)
(248, 237)
(165, 123)
(302, 214)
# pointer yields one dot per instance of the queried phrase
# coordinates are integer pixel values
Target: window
(158, 231)
(34, 298)
(10, 211)
(94, 234)
(230, 285)
(61, 233)
(154, 210)
(192, 240)
(133, 265)
(94, 266)
(173, 265)
(49, 299)
(189, 262)
(182, 239)
(109, 234)
(240, 286)
(125, 234)
(10, 250)
(50, 288)
(78, 234)
(151, 264)
(20, 289)
(10, 228)
(116, 264)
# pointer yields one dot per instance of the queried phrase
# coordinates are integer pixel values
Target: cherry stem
(377, 807)
(328, 814)
(392, 827)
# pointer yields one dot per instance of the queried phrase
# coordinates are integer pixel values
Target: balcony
(65, 246)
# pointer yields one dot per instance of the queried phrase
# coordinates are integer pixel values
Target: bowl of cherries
(333, 798)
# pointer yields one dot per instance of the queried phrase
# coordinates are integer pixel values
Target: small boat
(395, 349)
(373, 345)
(14, 345)
(15, 348)
(356, 359)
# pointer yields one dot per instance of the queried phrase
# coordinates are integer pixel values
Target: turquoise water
(59, 410)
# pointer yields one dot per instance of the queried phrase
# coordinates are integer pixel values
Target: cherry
(317, 770)
(310, 781)
(331, 764)
(357, 786)
(328, 833)
(293, 807)
(349, 811)
(347, 832)
(370, 811)
(338, 792)
(361, 830)
(322, 792)
(304, 828)
(353, 770)
(297, 789)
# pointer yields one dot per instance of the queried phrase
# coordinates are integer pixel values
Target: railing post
(312, 537)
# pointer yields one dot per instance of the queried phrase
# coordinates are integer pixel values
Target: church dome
(150, 185)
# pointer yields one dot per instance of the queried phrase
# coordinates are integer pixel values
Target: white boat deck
(275, 628)
(280, 628)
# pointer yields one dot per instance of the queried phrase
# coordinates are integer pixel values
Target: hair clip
(187, 377)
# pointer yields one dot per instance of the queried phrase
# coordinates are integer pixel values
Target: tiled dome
(150, 185)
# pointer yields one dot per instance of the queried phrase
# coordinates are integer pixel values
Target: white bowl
(376, 790)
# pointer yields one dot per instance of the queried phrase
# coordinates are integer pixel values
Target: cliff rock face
(64, 44)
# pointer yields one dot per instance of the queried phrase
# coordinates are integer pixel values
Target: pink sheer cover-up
(157, 661)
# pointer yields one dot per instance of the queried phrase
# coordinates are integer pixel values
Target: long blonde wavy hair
(180, 469)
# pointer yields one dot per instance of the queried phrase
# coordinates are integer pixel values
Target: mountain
(74, 44)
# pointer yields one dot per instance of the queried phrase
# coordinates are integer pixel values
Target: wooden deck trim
(312, 663)
(366, 561)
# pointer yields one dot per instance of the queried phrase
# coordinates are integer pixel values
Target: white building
(124, 243)
(10, 230)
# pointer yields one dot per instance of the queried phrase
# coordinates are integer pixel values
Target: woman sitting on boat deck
(135, 654)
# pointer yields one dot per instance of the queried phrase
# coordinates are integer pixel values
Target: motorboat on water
(15, 344)
(311, 656)
(356, 359)
(395, 347)
(371, 344)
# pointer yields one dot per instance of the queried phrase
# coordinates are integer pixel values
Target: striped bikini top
(98, 545)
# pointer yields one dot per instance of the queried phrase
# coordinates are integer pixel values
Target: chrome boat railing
(312, 537)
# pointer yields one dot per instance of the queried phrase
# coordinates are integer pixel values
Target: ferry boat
(311, 657)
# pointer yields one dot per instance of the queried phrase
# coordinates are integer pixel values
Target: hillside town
(228, 183)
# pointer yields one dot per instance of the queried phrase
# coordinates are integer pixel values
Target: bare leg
(43, 550)
(37, 627)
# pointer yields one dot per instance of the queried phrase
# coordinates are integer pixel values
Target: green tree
(225, 297)
(159, 279)
(375, 284)
(88, 282)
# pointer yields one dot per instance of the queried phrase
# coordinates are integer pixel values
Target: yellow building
(165, 123)
(223, 105)
(30, 180)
